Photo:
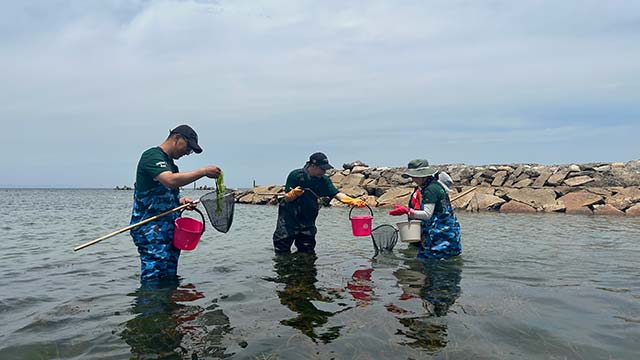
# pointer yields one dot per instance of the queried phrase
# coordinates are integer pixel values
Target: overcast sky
(87, 86)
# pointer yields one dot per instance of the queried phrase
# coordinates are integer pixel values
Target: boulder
(481, 202)
(579, 199)
(574, 168)
(606, 209)
(516, 207)
(351, 165)
(537, 198)
(599, 191)
(583, 210)
(359, 169)
(395, 196)
(634, 210)
(541, 179)
(557, 178)
(337, 178)
(624, 198)
(578, 180)
(352, 180)
(523, 183)
(398, 179)
(555, 207)
(499, 178)
(518, 171)
(462, 202)
(353, 191)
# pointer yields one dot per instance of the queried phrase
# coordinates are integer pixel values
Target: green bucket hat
(419, 168)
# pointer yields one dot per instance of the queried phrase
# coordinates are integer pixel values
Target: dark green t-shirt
(152, 163)
(322, 186)
(434, 194)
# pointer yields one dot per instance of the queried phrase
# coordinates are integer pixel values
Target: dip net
(384, 238)
(220, 205)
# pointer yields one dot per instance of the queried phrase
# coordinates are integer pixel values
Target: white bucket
(410, 231)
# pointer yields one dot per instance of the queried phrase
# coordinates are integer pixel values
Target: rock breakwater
(592, 188)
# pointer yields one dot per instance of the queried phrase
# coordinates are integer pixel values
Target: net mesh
(384, 238)
(220, 207)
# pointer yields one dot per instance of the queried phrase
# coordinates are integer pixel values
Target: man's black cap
(190, 135)
(320, 160)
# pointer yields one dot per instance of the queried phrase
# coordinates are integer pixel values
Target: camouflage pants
(158, 256)
(441, 236)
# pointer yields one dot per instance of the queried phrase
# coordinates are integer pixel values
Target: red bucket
(361, 225)
(187, 232)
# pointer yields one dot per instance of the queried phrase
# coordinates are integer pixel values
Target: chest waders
(441, 232)
(297, 223)
(158, 256)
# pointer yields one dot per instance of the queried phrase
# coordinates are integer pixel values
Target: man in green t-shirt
(298, 210)
(157, 189)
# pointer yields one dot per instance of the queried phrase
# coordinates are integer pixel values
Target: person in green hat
(430, 203)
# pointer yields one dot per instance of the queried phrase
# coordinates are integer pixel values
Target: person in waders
(157, 189)
(298, 210)
(431, 205)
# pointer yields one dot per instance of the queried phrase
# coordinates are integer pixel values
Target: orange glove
(294, 193)
(353, 202)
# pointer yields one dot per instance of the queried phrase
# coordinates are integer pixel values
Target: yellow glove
(294, 193)
(353, 202)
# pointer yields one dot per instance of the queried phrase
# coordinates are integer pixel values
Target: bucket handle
(353, 207)
(201, 214)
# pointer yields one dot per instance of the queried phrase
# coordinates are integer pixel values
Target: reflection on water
(167, 326)
(298, 273)
(437, 284)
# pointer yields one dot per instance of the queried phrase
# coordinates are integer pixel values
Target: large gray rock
(395, 196)
(541, 179)
(352, 179)
(353, 191)
(499, 178)
(557, 178)
(607, 209)
(579, 180)
(351, 165)
(516, 207)
(482, 202)
(576, 200)
(624, 198)
(633, 211)
(537, 198)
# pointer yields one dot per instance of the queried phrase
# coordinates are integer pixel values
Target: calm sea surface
(527, 286)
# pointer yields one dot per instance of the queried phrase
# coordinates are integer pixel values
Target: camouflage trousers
(158, 256)
(441, 236)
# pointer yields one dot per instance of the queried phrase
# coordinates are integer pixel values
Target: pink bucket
(187, 232)
(361, 225)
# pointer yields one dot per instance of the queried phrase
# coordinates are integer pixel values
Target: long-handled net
(384, 238)
(220, 205)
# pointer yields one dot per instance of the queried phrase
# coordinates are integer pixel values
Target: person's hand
(186, 200)
(211, 171)
(399, 210)
(353, 202)
(294, 193)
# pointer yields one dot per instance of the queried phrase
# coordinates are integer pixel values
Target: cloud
(93, 83)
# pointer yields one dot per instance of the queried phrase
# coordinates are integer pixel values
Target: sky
(86, 86)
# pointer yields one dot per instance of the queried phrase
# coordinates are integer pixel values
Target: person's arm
(422, 214)
(346, 199)
(176, 180)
